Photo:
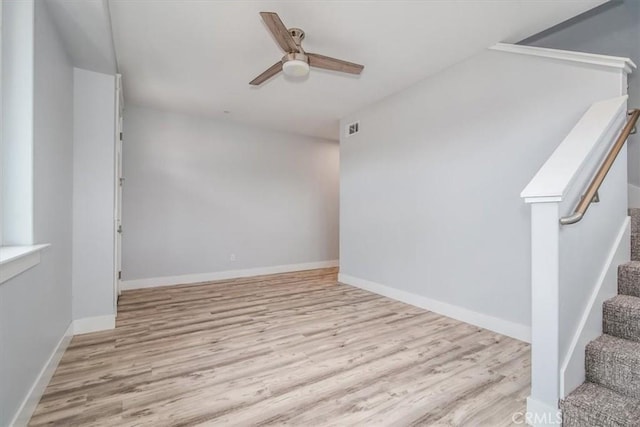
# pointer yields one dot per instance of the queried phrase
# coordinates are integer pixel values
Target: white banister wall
(571, 265)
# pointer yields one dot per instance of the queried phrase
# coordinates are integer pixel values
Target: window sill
(18, 259)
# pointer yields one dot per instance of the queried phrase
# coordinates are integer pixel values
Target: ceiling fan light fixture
(295, 68)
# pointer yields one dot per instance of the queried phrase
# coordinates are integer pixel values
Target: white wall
(611, 30)
(198, 190)
(17, 124)
(35, 307)
(93, 194)
(634, 194)
(429, 189)
(585, 246)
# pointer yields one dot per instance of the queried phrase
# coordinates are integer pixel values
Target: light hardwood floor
(294, 349)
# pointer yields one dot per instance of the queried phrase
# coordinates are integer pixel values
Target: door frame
(118, 183)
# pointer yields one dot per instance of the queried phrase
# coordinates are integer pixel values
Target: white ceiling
(198, 57)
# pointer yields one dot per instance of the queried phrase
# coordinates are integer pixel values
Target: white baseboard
(94, 324)
(501, 326)
(572, 371)
(37, 389)
(634, 196)
(539, 414)
(78, 326)
(222, 275)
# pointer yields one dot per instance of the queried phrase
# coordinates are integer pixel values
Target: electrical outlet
(232, 257)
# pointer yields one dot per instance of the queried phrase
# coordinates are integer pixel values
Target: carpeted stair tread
(621, 317)
(594, 405)
(629, 278)
(635, 234)
(614, 363)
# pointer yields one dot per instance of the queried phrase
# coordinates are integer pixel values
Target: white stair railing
(568, 261)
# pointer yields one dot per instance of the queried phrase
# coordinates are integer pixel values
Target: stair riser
(622, 328)
(619, 374)
(620, 322)
(629, 280)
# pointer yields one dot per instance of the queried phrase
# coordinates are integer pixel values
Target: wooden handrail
(596, 182)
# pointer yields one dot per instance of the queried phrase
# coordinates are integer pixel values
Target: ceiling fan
(296, 61)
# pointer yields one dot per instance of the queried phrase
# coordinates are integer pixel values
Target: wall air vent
(353, 128)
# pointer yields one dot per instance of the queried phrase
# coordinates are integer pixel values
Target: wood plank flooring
(287, 349)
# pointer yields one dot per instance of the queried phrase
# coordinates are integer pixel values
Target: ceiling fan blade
(271, 71)
(279, 31)
(321, 61)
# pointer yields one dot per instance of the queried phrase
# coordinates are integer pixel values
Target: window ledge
(17, 259)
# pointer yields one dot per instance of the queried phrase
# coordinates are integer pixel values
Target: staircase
(610, 395)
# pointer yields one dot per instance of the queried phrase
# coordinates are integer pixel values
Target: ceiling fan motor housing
(297, 34)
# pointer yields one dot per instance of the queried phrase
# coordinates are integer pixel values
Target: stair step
(621, 317)
(629, 279)
(635, 234)
(614, 363)
(594, 405)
